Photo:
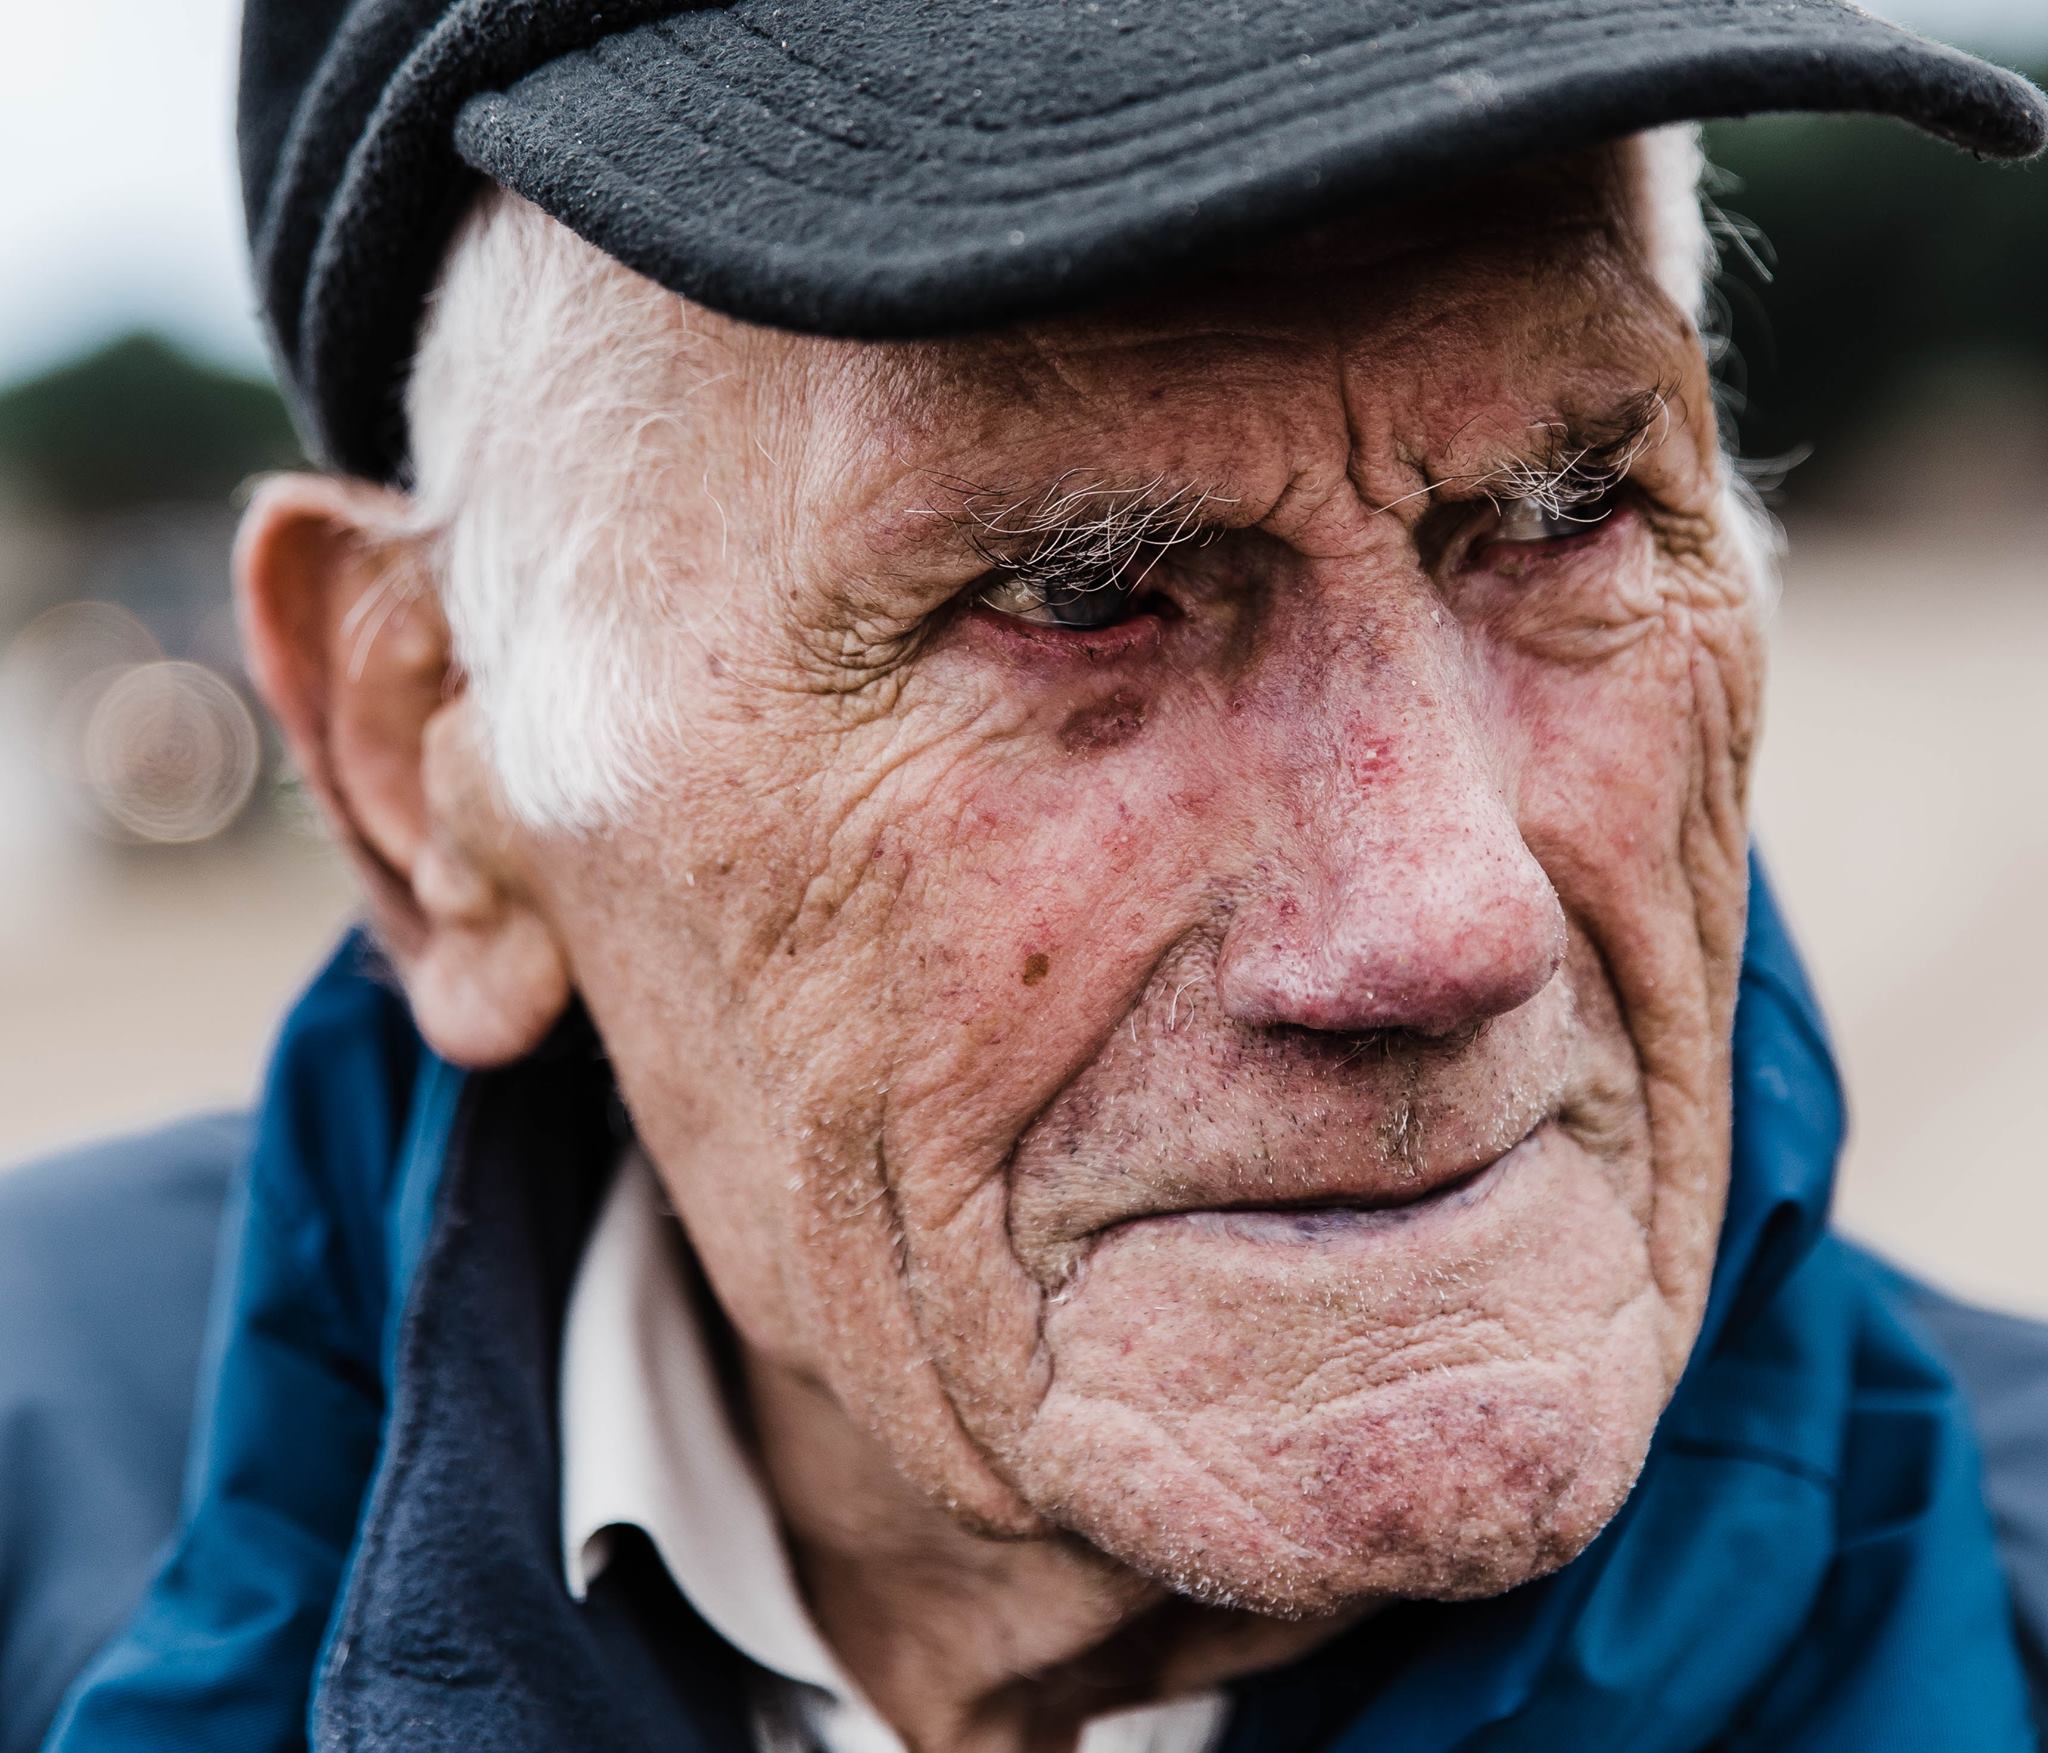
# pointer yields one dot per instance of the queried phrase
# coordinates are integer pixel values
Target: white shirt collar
(648, 1442)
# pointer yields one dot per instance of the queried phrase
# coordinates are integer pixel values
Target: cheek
(1632, 776)
(658, 917)
(1055, 872)
(1604, 756)
(1618, 756)
(835, 1005)
(1056, 881)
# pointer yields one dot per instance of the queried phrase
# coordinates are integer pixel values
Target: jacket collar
(456, 1628)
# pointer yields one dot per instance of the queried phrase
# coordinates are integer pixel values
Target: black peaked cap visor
(902, 168)
(911, 168)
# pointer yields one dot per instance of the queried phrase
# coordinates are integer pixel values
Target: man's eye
(1075, 603)
(1531, 523)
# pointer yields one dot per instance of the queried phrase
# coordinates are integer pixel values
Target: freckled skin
(956, 967)
(1104, 724)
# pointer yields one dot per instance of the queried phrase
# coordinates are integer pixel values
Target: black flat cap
(894, 168)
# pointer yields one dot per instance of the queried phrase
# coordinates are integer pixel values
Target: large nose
(1395, 892)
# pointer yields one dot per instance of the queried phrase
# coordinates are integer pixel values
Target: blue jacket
(367, 1553)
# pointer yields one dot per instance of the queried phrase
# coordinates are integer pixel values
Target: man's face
(1181, 959)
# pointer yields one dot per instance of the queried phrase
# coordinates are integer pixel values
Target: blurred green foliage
(138, 423)
(1895, 259)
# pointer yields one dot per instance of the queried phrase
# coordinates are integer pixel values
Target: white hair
(543, 568)
(1682, 249)
(538, 555)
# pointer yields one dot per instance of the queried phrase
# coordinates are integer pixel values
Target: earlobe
(347, 643)
(486, 998)
(489, 979)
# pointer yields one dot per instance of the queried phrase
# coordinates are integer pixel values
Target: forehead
(1542, 271)
(1528, 297)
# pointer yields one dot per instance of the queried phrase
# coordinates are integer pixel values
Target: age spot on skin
(1104, 726)
(1036, 966)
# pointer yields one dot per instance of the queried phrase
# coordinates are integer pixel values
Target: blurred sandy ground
(1902, 802)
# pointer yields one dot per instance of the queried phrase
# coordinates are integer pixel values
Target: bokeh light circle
(171, 753)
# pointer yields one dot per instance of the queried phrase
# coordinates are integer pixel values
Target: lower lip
(1322, 1226)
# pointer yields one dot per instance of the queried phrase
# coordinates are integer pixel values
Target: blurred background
(163, 890)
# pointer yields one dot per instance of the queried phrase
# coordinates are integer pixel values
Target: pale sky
(118, 200)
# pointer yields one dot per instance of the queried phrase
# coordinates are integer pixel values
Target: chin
(1450, 1487)
(1467, 1489)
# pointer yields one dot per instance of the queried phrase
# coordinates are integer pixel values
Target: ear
(347, 643)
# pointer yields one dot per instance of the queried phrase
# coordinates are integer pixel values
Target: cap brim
(909, 167)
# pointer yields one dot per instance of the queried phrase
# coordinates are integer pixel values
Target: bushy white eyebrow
(1087, 530)
(1085, 526)
(1575, 464)
(1583, 464)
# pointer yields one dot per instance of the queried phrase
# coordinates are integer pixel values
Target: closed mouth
(1333, 1217)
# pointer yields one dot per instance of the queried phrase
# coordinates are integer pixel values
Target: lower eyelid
(1134, 637)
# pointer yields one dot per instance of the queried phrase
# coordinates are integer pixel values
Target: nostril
(1366, 1046)
(1450, 1038)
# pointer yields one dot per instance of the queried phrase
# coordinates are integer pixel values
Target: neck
(967, 1644)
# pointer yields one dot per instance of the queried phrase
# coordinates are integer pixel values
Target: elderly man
(1046, 711)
